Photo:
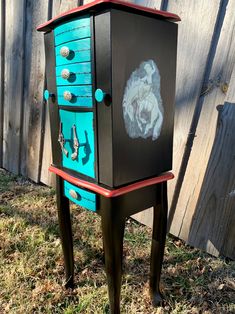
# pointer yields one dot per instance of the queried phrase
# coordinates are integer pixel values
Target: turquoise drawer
(75, 95)
(73, 52)
(77, 74)
(78, 125)
(79, 196)
(72, 30)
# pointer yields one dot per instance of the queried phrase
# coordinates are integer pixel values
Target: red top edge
(111, 193)
(96, 4)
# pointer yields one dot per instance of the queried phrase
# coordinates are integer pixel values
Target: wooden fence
(202, 196)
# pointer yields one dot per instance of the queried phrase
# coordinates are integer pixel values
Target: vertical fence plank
(46, 177)
(36, 13)
(212, 226)
(2, 63)
(195, 33)
(219, 74)
(13, 80)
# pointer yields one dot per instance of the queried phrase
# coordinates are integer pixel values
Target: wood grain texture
(194, 41)
(2, 65)
(13, 81)
(36, 12)
(220, 73)
(212, 227)
(60, 6)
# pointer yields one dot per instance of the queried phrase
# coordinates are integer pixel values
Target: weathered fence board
(212, 226)
(217, 77)
(13, 83)
(36, 13)
(193, 49)
(2, 63)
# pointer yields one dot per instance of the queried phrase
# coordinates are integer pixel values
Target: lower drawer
(79, 196)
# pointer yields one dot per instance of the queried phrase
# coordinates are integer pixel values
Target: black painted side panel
(104, 112)
(137, 38)
(52, 102)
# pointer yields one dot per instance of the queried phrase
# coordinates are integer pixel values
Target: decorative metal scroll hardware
(75, 144)
(61, 140)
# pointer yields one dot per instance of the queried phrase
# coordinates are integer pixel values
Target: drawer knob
(99, 95)
(74, 194)
(67, 95)
(47, 94)
(65, 74)
(64, 51)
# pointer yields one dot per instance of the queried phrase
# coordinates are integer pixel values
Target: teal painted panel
(72, 30)
(79, 74)
(79, 51)
(84, 198)
(81, 95)
(85, 162)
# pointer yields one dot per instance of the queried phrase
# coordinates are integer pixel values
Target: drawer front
(75, 95)
(75, 74)
(79, 196)
(73, 52)
(78, 126)
(72, 30)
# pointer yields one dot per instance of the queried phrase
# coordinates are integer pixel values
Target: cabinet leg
(113, 232)
(158, 245)
(65, 232)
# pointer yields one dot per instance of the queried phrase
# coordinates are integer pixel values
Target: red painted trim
(95, 5)
(111, 193)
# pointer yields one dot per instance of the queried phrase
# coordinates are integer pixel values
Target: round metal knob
(73, 194)
(65, 74)
(67, 95)
(64, 51)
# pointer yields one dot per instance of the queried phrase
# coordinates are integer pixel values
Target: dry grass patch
(32, 272)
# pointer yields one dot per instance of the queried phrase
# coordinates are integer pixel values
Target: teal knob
(99, 95)
(47, 94)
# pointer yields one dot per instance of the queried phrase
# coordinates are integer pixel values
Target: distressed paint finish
(81, 95)
(80, 74)
(85, 162)
(72, 30)
(82, 198)
(80, 52)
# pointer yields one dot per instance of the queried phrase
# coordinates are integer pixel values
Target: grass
(32, 271)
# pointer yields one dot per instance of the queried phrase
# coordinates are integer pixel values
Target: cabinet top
(99, 5)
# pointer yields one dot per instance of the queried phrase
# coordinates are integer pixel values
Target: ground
(32, 271)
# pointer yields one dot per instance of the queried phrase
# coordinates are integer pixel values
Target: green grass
(32, 271)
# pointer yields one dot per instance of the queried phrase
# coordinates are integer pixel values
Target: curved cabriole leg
(113, 232)
(158, 245)
(65, 232)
